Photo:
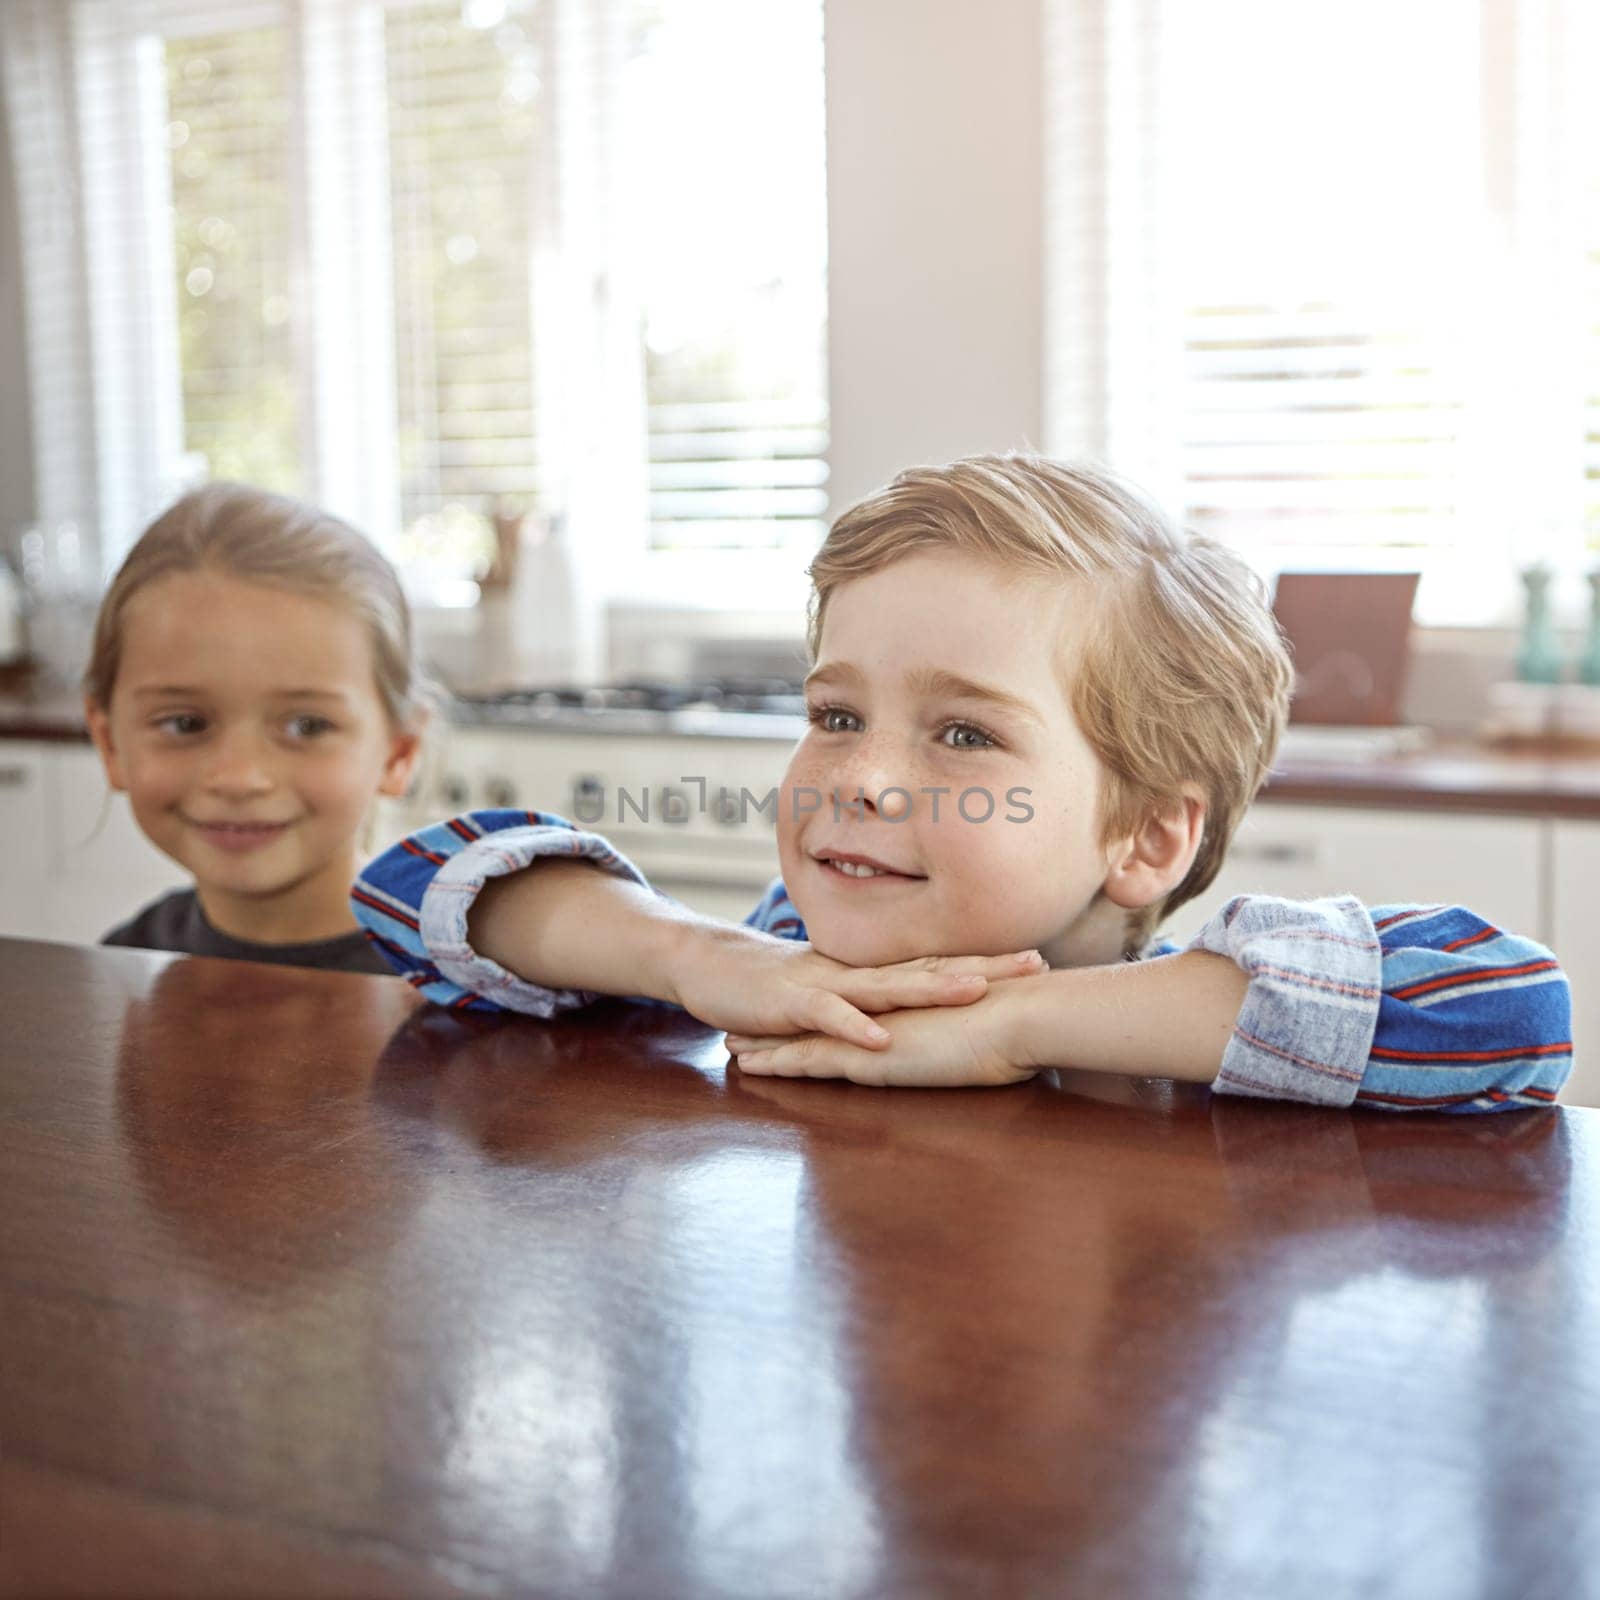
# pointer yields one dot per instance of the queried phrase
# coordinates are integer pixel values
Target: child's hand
(975, 1045)
(783, 989)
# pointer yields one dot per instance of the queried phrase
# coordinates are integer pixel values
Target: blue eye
(980, 738)
(818, 717)
(968, 727)
(308, 726)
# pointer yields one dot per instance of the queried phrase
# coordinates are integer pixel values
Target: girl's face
(246, 727)
(938, 673)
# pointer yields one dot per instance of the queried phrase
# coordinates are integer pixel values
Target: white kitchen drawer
(27, 825)
(93, 868)
(1495, 865)
(108, 870)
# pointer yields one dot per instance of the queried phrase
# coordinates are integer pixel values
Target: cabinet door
(1492, 864)
(27, 826)
(1575, 938)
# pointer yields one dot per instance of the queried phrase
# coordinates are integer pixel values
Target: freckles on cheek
(799, 800)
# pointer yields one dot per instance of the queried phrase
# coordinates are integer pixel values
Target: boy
(1038, 711)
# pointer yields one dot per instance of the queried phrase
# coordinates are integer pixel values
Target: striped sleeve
(1471, 1018)
(775, 914)
(1405, 1008)
(412, 902)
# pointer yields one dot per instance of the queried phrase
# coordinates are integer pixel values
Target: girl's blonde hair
(1183, 679)
(250, 534)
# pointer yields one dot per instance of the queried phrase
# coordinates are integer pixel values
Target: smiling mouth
(861, 872)
(235, 827)
(238, 838)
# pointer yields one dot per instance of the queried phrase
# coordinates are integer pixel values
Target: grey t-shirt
(176, 922)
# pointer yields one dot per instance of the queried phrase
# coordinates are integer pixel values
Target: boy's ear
(1149, 864)
(405, 750)
(99, 720)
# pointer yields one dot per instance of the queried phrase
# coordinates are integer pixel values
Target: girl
(252, 689)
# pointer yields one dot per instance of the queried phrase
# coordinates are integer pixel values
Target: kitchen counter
(310, 1289)
(1457, 775)
(51, 713)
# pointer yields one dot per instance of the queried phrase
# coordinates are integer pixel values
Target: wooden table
(311, 1291)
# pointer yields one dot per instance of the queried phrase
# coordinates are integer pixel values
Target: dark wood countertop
(50, 712)
(312, 1290)
(1453, 776)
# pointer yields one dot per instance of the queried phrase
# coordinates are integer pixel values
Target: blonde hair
(1183, 678)
(267, 538)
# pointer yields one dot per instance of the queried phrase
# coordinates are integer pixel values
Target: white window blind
(1323, 396)
(1316, 276)
(726, 217)
(41, 90)
(462, 125)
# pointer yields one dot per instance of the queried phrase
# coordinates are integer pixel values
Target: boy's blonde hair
(1183, 679)
(250, 534)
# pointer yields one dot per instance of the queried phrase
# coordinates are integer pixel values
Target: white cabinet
(76, 863)
(105, 869)
(1495, 865)
(1575, 937)
(1534, 876)
(26, 825)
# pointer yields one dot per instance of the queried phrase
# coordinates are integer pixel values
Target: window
(227, 103)
(727, 212)
(1339, 254)
(462, 129)
(432, 261)
(1322, 395)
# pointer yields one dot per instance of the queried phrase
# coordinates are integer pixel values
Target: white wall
(935, 228)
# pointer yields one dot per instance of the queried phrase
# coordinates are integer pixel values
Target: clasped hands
(789, 1011)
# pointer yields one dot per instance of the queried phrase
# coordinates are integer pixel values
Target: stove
(643, 705)
(681, 776)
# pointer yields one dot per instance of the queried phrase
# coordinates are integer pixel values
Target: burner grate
(770, 696)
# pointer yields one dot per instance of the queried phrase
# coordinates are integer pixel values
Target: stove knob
(501, 793)
(454, 791)
(587, 805)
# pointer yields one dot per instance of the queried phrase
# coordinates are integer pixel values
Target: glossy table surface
(309, 1290)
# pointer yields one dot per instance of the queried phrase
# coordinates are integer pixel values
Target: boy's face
(901, 697)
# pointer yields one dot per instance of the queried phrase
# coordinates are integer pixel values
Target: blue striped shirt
(1401, 1008)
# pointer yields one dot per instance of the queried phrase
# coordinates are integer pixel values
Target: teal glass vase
(1589, 661)
(1539, 657)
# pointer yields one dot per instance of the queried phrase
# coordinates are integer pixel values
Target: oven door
(687, 844)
